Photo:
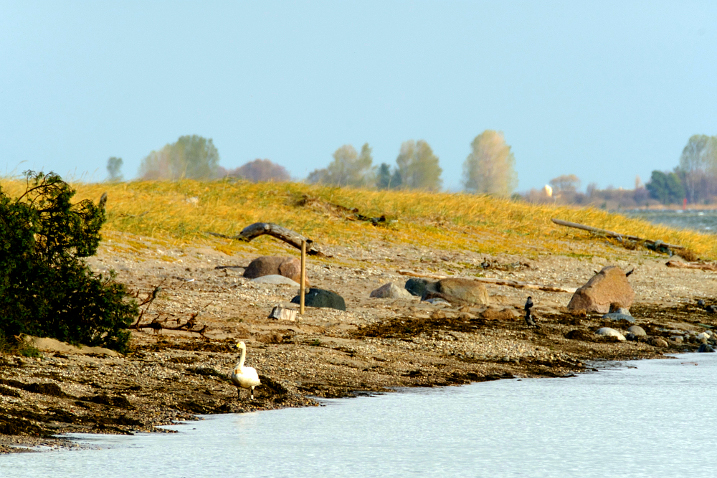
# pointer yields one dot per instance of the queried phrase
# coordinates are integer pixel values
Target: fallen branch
(287, 235)
(487, 280)
(656, 245)
(692, 265)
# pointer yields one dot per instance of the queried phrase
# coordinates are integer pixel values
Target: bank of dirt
(375, 346)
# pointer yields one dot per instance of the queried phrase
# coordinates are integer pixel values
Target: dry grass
(182, 212)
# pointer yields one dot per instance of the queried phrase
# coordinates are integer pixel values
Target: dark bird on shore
(627, 274)
(530, 322)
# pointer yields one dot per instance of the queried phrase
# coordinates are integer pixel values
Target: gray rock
(322, 298)
(275, 279)
(391, 291)
(416, 286)
(637, 331)
(619, 310)
(617, 316)
(610, 332)
(704, 348)
(658, 342)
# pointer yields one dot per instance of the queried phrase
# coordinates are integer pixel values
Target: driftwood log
(488, 280)
(692, 265)
(287, 235)
(653, 244)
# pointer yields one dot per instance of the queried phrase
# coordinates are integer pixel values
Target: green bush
(46, 289)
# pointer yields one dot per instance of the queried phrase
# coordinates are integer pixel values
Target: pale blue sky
(604, 90)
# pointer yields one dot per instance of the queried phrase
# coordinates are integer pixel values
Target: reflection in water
(652, 420)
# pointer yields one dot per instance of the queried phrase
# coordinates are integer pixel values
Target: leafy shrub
(46, 289)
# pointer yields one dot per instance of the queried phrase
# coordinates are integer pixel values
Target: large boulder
(607, 287)
(391, 291)
(457, 291)
(273, 265)
(322, 298)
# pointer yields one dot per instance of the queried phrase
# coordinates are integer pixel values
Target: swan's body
(244, 377)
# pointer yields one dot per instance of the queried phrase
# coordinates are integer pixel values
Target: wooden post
(302, 282)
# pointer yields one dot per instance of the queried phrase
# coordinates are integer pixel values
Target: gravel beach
(374, 346)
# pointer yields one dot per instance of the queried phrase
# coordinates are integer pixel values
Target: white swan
(244, 377)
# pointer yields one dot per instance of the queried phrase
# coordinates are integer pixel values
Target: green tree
(114, 169)
(666, 187)
(490, 166)
(417, 167)
(349, 168)
(383, 177)
(191, 157)
(46, 289)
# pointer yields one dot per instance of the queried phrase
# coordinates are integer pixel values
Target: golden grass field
(183, 212)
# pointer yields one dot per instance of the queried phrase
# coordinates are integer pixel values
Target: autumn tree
(114, 169)
(568, 183)
(417, 167)
(349, 168)
(259, 170)
(490, 167)
(698, 167)
(192, 157)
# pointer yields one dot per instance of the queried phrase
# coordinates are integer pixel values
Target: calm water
(703, 221)
(655, 420)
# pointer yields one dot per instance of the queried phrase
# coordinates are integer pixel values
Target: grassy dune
(182, 212)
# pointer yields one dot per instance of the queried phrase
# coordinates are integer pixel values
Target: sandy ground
(375, 346)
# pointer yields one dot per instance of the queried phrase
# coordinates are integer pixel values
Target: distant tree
(259, 170)
(490, 167)
(566, 183)
(698, 167)
(114, 169)
(349, 168)
(417, 167)
(666, 187)
(192, 157)
(383, 177)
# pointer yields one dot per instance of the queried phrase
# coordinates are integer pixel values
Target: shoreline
(376, 346)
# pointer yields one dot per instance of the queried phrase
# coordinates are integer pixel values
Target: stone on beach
(637, 331)
(616, 317)
(276, 280)
(607, 288)
(391, 291)
(610, 332)
(461, 291)
(273, 265)
(416, 286)
(322, 298)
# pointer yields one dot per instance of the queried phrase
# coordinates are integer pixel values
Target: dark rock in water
(618, 316)
(322, 298)
(416, 286)
(704, 348)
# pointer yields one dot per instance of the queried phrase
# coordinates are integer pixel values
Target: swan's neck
(240, 363)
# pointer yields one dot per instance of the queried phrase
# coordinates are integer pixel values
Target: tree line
(489, 167)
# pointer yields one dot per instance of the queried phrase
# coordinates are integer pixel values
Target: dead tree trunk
(287, 235)
(618, 236)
